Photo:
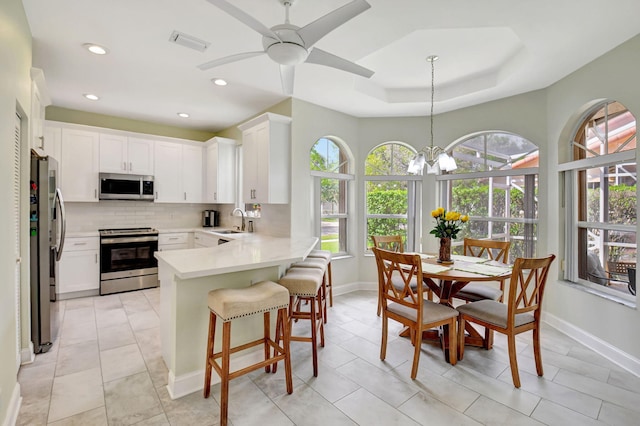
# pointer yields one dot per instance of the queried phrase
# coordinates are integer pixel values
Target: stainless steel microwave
(114, 186)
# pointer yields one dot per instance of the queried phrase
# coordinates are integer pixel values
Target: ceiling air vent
(188, 41)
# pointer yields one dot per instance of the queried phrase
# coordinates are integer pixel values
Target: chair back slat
(528, 280)
(490, 249)
(400, 268)
(388, 242)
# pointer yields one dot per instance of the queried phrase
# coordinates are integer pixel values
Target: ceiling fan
(289, 45)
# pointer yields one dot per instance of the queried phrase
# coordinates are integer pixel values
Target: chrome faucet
(242, 213)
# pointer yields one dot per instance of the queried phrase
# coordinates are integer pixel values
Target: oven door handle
(121, 240)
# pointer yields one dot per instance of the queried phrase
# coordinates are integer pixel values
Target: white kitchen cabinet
(79, 165)
(39, 100)
(52, 141)
(79, 267)
(126, 154)
(220, 171)
(201, 239)
(173, 241)
(266, 159)
(178, 172)
(192, 173)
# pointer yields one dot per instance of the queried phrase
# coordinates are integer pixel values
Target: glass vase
(444, 255)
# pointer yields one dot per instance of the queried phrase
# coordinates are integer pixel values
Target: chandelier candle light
(434, 156)
(448, 224)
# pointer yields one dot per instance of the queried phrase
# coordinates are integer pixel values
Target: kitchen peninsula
(187, 276)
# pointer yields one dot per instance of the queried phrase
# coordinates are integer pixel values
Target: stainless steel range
(126, 259)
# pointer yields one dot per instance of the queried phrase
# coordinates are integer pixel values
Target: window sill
(341, 256)
(619, 300)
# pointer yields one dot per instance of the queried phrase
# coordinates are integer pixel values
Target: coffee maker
(210, 218)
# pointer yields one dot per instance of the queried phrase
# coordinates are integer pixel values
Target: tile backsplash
(88, 217)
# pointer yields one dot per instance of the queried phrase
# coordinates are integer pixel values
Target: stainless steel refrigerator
(47, 232)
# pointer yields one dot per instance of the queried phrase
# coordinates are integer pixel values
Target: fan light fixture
(434, 157)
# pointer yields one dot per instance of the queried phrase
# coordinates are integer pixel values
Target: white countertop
(241, 254)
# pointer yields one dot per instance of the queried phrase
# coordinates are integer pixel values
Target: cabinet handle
(173, 238)
(215, 196)
(124, 165)
(156, 195)
(41, 141)
(96, 257)
(185, 196)
(95, 193)
(130, 167)
(80, 244)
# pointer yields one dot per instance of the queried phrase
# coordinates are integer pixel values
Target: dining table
(446, 280)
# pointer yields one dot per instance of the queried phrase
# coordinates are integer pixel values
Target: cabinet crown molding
(268, 116)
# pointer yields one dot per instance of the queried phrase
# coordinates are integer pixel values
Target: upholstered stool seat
(305, 284)
(326, 255)
(232, 303)
(322, 264)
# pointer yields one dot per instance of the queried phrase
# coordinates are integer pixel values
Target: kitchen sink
(229, 231)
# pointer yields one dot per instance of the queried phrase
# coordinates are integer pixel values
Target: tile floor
(106, 368)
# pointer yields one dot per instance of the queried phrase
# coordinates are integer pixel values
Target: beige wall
(15, 92)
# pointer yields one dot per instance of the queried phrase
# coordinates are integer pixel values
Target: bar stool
(232, 303)
(305, 284)
(326, 255)
(321, 264)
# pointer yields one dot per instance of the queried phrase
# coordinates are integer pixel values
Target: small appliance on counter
(210, 218)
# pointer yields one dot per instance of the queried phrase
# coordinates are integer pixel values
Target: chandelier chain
(432, 95)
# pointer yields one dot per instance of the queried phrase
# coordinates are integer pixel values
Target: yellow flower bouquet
(448, 224)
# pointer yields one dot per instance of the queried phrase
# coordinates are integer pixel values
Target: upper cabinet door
(79, 165)
(125, 154)
(140, 156)
(220, 182)
(192, 176)
(113, 154)
(168, 172)
(266, 154)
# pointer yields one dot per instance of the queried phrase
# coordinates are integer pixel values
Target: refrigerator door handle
(63, 224)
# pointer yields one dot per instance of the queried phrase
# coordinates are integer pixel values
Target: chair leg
(224, 379)
(453, 338)
(383, 344)
(379, 303)
(322, 308)
(536, 351)
(513, 361)
(460, 337)
(314, 337)
(488, 339)
(267, 336)
(210, 340)
(283, 323)
(416, 353)
(330, 284)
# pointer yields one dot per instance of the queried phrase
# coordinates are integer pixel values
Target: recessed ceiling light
(219, 82)
(183, 115)
(91, 96)
(95, 48)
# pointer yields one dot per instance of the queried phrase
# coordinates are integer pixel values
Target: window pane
(611, 194)
(333, 196)
(610, 129)
(495, 151)
(387, 197)
(334, 233)
(386, 226)
(390, 159)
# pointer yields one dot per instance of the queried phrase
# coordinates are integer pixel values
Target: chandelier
(434, 157)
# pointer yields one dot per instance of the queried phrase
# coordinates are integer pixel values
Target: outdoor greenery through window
(600, 187)
(391, 205)
(496, 184)
(329, 165)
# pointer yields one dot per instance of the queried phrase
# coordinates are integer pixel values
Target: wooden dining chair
(391, 243)
(407, 305)
(521, 312)
(490, 249)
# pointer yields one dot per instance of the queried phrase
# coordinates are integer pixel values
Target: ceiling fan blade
(244, 17)
(322, 26)
(228, 59)
(287, 74)
(320, 57)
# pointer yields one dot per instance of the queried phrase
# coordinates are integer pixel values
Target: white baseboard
(615, 355)
(185, 384)
(14, 407)
(27, 356)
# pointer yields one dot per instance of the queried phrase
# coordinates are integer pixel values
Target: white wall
(613, 76)
(15, 90)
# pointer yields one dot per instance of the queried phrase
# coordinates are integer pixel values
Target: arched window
(601, 205)
(496, 184)
(330, 166)
(391, 193)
